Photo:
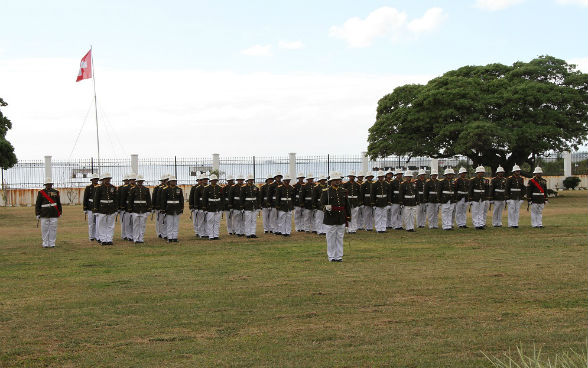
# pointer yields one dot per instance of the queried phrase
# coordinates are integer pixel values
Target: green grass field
(424, 299)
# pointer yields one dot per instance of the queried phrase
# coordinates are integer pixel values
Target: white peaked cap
(106, 175)
(309, 176)
(381, 173)
(334, 175)
(213, 177)
(132, 176)
(240, 177)
(538, 170)
(352, 173)
(462, 170)
(230, 177)
(408, 173)
(204, 176)
(369, 173)
(322, 177)
(163, 177)
(198, 176)
(361, 173)
(434, 172)
(391, 171)
(269, 176)
(398, 171)
(286, 177)
(48, 181)
(250, 177)
(480, 169)
(167, 176)
(516, 168)
(171, 177)
(300, 175)
(448, 171)
(95, 176)
(422, 172)
(140, 178)
(500, 169)
(278, 174)
(126, 177)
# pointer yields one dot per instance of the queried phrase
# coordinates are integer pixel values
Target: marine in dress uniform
(389, 177)
(172, 206)
(192, 205)
(462, 200)
(88, 206)
(478, 191)
(234, 200)
(537, 197)
(396, 201)
(335, 204)
(498, 196)
(515, 194)
(200, 209)
(139, 206)
(126, 218)
(160, 228)
(297, 209)
(381, 200)
(106, 206)
(306, 203)
(48, 209)
(265, 204)
(285, 206)
(359, 219)
(213, 205)
(250, 203)
(271, 198)
(318, 210)
(410, 201)
(421, 212)
(368, 205)
(225, 191)
(354, 195)
(431, 198)
(447, 198)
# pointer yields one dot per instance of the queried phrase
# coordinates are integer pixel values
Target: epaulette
(326, 189)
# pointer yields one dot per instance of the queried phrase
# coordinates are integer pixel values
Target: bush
(571, 182)
(568, 359)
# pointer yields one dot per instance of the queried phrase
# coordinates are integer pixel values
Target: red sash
(51, 201)
(538, 187)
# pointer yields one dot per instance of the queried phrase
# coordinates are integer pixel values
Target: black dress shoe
(410, 231)
(92, 239)
(448, 229)
(421, 227)
(381, 232)
(253, 236)
(216, 238)
(398, 228)
(159, 236)
(285, 234)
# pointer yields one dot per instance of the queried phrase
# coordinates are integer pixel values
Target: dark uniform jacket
(420, 186)
(409, 193)
(191, 201)
(155, 195)
(306, 196)
(123, 192)
(431, 191)
(446, 191)
(171, 200)
(353, 193)
(535, 195)
(234, 198)
(366, 193)
(88, 202)
(250, 197)
(139, 200)
(263, 194)
(515, 188)
(285, 198)
(212, 198)
(479, 189)
(106, 199)
(271, 194)
(297, 189)
(316, 196)
(198, 197)
(381, 193)
(44, 208)
(462, 187)
(395, 196)
(340, 212)
(498, 189)
(225, 191)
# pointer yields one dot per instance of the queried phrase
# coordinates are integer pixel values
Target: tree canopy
(493, 114)
(7, 156)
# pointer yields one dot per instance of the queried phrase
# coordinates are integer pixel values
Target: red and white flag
(85, 67)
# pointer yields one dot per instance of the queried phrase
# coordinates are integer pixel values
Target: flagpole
(95, 106)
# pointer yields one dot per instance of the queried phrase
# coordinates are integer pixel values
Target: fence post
(434, 165)
(328, 165)
(92, 163)
(175, 167)
(216, 162)
(135, 163)
(567, 156)
(254, 169)
(364, 162)
(292, 166)
(47, 167)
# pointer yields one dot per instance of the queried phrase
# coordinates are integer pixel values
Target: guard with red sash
(537, 197)
(337, 210)
(48, 209)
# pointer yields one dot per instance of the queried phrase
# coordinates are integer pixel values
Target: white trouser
(194, 221)
(265, 218)
(285, 222)
(461, 212)
(396, 214)
(421, 214)
(307, 220)
(123, 224)
(106, 226)
(162, 225)
(229, 221)
(48, 231)
(478, 213)
(91, 224)
(433, 215)
(408, 217)
(514, 209)
(139, 222)
(537, 214)
(389, 216)
(238, 221)
(447, 210)
(173, 223)
(250, 222)
(318, 221)
(127, 217)
(298, 218)
(273, 221)
(157, 229)
(368, 217)
(201, 220)
(360, 218)
(353, 224)
(381, 218)
(213, 224)
(497, 213)
(335, 235)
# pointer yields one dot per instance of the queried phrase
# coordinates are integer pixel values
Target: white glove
(38, 217)
(328, 207)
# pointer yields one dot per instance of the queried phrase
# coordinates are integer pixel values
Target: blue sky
(198, 65)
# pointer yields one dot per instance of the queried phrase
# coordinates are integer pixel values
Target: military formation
(386, 200)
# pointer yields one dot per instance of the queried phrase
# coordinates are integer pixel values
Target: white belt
(409, 197)
(538, 194)
(308, 198)
(396, 192)
(237, 198)
(90, 200)
(286, 199)
(432, 193)
(447, 192)
(274, 197)
(173, 201)
(421, 192)
(460, 192)
(479, 191)
(251, 199)
(352, 197)
(106, 201)
(49, 205)
(515, 190)
(499, 190)
(140, 202)
(214, 200)
(381, 196)
(367, 195)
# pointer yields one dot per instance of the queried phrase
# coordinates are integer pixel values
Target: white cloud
(385, 22)
(258, 50)
(294, 45)
(581, 63)
(573, 2)
(494, 5)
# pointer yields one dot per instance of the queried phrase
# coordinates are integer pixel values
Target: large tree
(493, 114)
(7, 156)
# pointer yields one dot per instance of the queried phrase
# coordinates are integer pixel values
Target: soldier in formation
(498, 196)
(396, 201)
(171, 206)
(515, 194)
(48, 209)
(431, 190)
(213, 205)
(160, 229)
(380, 201)
(367, 208)
(410, 201)
(318, 212)
(106, 207)
(297, 209)
(479, 188)
(139, 206)
(265, 205)
(234, 204)
(271, 198)
(285, 206)
(353, 189)
(422, 206)
(306, 204)
(250, 204)
(225, 192)
(461, 200)
(88, 206)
